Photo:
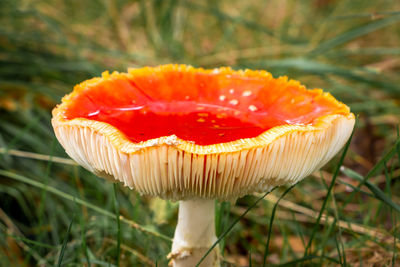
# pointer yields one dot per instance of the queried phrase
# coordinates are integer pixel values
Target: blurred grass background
(53, 212)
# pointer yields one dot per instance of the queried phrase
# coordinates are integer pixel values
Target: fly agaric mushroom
(197, 135)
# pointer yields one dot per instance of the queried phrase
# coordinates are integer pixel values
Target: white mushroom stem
(195, 234)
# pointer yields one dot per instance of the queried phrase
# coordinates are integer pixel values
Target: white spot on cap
(252, 108)
(94, 113)
(246, 93)
(231, 91)
(222, 97)
(234, 102)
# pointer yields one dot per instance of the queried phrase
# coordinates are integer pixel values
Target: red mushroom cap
(179, 132)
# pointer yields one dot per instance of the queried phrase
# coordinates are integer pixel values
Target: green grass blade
(355, 33)
(377, 167)
(250, 262)
(64, 245)
(338, 250)
(356, 189)
(271, 221)
(33, 242)
(116, 207)
(378, 193)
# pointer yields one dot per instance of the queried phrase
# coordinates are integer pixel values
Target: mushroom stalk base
(194, 235)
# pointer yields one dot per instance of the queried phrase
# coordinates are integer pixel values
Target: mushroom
(197, 135)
